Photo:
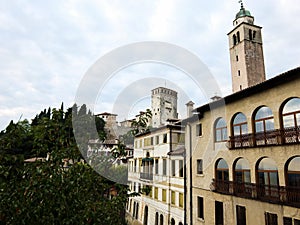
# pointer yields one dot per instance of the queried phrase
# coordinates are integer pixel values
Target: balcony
(285, 136)
(146, 176)
(273, 194)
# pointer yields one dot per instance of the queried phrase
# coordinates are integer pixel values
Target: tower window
(240, 87)
(238, 36)
(254, 33)
(239, 73)
(234, 39)
(250, 34)
(237, 58)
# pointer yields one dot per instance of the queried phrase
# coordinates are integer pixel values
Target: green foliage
(46, 192)
(140, 125)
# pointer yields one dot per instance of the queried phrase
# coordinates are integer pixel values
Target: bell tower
(246, 51)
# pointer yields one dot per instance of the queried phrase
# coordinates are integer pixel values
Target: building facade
(156, 171)
(246, 159)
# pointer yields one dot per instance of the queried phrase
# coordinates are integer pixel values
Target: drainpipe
(170, 173)
(190, 174)
(185, 187)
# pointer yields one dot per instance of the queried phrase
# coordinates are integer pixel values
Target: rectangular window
(150, 193)
(296, 222)
(156, 193)
(237, 58)
(164, 167)
(200, 208)
(241, 215)
(156, 166)
(164, 195)
(137, 211)
(239, 73)
(180, 138)
(173, 168)
(156, 140)
(219, 213)
(271, 218)
(199, 166)
(165, 138)
(199, 129)
(151, 141)
(173, 197)
(180, 168)
(180, 199)
(287, 221)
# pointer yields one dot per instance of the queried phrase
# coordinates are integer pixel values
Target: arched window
(239, 125)
(292, 176)
(242, 171)
(234, 39)
(264, 123)
(241, 176)
(180, 223)
(291, 113)
(146, 215)
(161, 220)
(172, 221)
(222, 175)
(264, 119)
(220, 130)
(267, 178)
(238, 36)
(250, 34)
(156, 218)
(291, 120)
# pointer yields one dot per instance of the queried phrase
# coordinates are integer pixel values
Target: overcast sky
(48, 46)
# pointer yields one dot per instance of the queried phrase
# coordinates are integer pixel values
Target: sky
(48, 47)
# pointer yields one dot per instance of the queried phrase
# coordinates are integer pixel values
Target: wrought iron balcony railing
(266, 193)
(284, 136)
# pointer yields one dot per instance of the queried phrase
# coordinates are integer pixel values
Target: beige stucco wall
(205, 148)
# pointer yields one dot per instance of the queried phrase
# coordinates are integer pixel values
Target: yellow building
(156, 171)
(246, 156)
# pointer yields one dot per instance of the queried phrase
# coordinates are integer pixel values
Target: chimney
(190, 107)
(215, 98)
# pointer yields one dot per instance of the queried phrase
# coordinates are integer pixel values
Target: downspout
(170, 173)
(191, 186)
(184, 187)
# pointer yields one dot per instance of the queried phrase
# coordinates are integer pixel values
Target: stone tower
(163, 106)
(246, 52)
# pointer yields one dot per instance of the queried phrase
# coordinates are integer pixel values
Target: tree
(141, 125)
(62, 190)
